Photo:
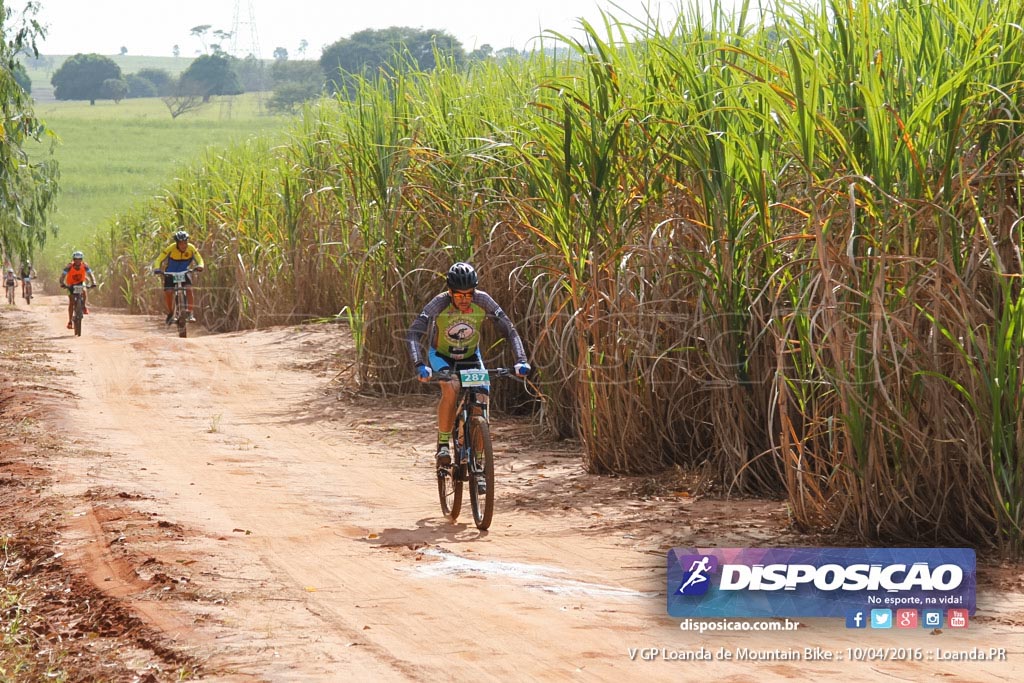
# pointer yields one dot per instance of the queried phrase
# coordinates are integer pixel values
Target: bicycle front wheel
(481, 473)
(79, 311)
(449, 490)
(449, 479)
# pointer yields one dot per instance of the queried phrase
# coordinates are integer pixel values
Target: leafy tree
(161, 78)
(507, 53)
(209, 75)
(81, 77)
(115, 89)
(176, 50)
(482, 53)
(22, 77)
(221, 35)
(124, 50)
(200, 33)
(294, 82)
(251, 72)
(280, 54)
(366, 52)
(289, 97)
(139, 86)
(27, 188)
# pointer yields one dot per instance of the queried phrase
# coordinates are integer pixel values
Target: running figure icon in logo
(697, 579)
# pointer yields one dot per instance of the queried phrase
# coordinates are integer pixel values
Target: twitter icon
(881, 618)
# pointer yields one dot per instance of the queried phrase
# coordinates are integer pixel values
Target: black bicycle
(472, 456)
(78, 305)
(181, 315)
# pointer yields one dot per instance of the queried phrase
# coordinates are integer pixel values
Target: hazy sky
(146, 27)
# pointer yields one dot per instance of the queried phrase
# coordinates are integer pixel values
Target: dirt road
(273, 528)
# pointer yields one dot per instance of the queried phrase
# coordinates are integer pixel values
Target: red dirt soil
(219, 508)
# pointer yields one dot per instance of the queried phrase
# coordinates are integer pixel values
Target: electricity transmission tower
(244, 42)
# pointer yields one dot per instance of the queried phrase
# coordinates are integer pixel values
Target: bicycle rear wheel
(481, 473)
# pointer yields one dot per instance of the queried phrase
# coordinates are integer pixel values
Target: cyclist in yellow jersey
(177, 258)
(451, 323)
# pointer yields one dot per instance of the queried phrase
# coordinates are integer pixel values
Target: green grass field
(113, 156)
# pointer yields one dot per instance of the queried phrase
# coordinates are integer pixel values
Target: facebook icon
(856, 619)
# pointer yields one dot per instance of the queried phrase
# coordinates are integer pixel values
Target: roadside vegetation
(786, 249)
(27, 186)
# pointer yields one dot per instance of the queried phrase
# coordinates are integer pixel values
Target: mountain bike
(27, 287)
(472, 456)
(181, 314)
(78, 303)
(10, 292)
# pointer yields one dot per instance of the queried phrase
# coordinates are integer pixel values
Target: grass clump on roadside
(24, 656)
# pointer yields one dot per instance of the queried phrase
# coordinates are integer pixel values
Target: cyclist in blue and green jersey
(451, 322)
(178, 257)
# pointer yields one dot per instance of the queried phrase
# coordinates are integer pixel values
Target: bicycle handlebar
(448, 375)
(164, 272)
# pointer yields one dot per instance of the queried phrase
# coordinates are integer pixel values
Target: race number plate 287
(474, 378)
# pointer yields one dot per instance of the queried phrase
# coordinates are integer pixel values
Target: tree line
(341, 64)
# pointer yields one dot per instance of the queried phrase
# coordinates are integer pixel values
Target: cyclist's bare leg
(191, 299)
(169, 300)
(446, 407)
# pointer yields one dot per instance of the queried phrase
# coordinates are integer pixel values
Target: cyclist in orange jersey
(76, 273)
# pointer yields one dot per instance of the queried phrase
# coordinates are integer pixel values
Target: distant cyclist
(27, 274)
(451, 321)
(76, 273)
(178, 257)
(9, 279)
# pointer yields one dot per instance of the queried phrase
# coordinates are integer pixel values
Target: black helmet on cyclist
(181, 236)
(77, 254)
(462, 276)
